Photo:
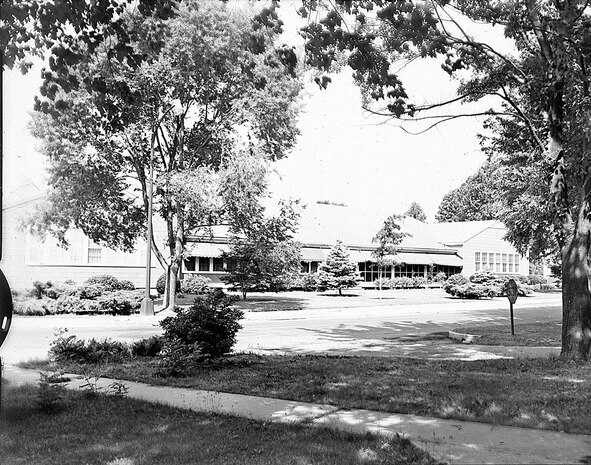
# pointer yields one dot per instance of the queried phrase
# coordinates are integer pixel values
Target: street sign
(511, 291)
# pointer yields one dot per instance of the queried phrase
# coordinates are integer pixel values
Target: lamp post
(147, 307)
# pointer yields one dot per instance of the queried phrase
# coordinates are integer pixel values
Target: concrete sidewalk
(452, 441)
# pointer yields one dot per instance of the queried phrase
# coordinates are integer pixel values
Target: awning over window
(415, 258)
(206, 249)
(313, 254)
(446, 260)
(358, 256)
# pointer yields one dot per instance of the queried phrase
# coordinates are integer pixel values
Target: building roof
(460, 232)
(25, 191)
(324, 224)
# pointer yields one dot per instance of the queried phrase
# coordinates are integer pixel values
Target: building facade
(427, 249)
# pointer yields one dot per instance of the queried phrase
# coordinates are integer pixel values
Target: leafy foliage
(416, 211)
(195, 284)
(547, 202)
(337, 271)
(161, 284)
(109, 283)
(71, 349)
(206, 329)
(185, 88)
(477, 199)
(147, 347)
(483, 284)
(266, 257)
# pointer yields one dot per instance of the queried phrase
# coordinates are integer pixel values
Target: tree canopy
(195, 88)
(477, 198)
(416, 211)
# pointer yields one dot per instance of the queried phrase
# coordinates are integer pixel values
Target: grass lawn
(539, 393)
(120, 431)
(547, 334)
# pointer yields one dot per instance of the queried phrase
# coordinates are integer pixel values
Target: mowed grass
(547, 334)
(540, 393)
(113, 430)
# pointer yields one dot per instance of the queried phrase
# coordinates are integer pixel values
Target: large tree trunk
(576, 294)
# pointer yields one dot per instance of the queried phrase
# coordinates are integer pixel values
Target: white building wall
(26, 258)
(490, 241)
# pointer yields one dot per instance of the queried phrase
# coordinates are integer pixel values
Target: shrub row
(483, 284)
(205, 330)
(402, 282)
(71, 349)
(114, 303)
(98, 294)
(192, 284)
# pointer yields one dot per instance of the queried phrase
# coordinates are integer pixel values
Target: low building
(428, 249)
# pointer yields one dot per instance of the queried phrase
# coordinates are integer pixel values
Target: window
(498, 262)
(516, 263)
(314, 267)
(203, 263)
(409, 270)
(477, 261)
(504, 263)
(218, 264)
(94, 255)
(448, 270)
(190, 264)
(491, 261)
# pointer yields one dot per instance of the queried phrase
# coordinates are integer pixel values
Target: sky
(343, 153)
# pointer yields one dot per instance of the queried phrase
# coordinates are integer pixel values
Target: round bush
(126, 285)
(108, 282)
(208, 328)
(161, 284)
(195, 284)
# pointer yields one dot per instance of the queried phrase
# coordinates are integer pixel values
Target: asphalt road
(361, 329)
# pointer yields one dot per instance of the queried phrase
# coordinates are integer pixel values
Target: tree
(416, 211)
(388, 237)
(265, 256)
(543, 87)
(63, 30)
(209, 83)
(337, 272)
(477, 199)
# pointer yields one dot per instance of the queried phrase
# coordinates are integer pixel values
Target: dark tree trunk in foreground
(576, 294)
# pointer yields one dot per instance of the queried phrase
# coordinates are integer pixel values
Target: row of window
(369, 271)
(207, 264)
(497, 262)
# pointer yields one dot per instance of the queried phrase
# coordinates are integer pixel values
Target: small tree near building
(265, 255)
(416, 211)
(387, 238)
(337, 272)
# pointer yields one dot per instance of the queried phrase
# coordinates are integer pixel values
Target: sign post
(511, 291)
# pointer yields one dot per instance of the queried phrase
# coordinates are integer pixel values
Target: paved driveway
(352, 325)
